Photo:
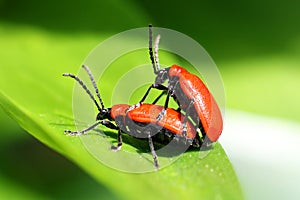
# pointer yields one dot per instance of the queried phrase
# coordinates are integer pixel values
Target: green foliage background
(255, 44)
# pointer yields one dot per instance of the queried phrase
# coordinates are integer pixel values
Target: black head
(104, 114)
(162, 75)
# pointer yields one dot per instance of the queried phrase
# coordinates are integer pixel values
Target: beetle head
(162, 76)
(104, 114)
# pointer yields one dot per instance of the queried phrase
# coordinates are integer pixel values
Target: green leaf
(33, 93)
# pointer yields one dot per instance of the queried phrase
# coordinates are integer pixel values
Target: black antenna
(150, 49)
(94, 84)
(156, 52)
(84, 87)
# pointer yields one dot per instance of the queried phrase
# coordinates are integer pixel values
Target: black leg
(83, 131)
(157, 98)
(163, 112)
(170, 92)
(159, 87)
(187, 114)
(119, 146)
(155, 159)
(108, 124)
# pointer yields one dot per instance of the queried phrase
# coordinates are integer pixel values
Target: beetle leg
(119, 146)
(110, 125)
(83, 131)
(163, 112)
(157, 98)
(153, 151)
(156, 86)
(185, 120)
(170, 92)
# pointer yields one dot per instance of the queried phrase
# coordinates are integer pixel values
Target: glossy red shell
(205, 104)
(118, 110)
(172, 120)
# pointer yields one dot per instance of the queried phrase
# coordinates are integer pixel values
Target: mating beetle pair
(200, 109)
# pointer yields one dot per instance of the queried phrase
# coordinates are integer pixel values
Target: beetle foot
(72, 133)
(161, 114)
(115, 148)
(206, 144)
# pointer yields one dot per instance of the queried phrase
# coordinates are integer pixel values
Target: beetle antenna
(156, 52)
(150, 49)
(94, 84)
(84, 87)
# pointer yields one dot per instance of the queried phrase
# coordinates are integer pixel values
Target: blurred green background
(255, 44)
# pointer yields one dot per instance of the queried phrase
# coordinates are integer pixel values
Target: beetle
(189, 92)
(140, 122)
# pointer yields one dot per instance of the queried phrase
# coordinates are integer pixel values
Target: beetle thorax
(162, 76)
(176, 70)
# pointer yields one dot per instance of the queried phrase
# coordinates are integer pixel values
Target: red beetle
(140, 122)
(191, 94)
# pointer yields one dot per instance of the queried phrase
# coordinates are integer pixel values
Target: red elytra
(172, 120)
(205, 104)
(118, 110)
(147, 113)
